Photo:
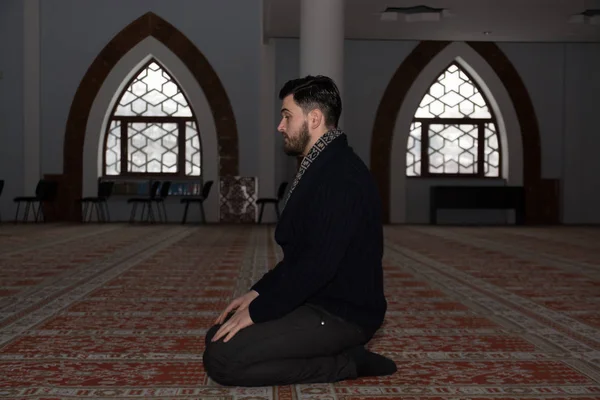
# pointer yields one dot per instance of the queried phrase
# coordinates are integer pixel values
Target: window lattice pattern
(192, 149)
(453, 95)
(153, 93)
(113, 149)
(152, 147)
(452, 149)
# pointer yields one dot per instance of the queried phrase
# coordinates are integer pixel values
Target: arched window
(152, 131)
(454, 131)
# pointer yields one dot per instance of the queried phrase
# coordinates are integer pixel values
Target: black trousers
(306, 346)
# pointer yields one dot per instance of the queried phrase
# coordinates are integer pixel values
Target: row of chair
(159, 191)
(46, 191)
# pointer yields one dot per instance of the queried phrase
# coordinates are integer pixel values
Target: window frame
(479, 122)
(180, 175)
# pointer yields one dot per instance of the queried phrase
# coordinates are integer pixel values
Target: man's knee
(221, 360)
(210, 334)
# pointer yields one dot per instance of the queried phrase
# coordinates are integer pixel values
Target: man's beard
(295, 146)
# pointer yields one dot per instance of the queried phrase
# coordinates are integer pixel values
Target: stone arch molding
(498, 98)
(508, 97)
(109, 93)
(147, 36)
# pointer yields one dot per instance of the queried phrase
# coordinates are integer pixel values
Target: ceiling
(486, 20)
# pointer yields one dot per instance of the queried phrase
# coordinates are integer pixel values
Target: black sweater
(331, 235)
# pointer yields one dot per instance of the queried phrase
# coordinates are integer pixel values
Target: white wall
(563, 82)
(11, 104)
(542, 71)
(582, 134)
(287, 66)
(267, 153)
(370, 66)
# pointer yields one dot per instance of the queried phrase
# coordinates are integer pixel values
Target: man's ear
(315, 118)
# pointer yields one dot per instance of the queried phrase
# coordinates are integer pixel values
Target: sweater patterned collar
(312, 155)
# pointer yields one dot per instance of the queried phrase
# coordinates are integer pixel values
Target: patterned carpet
(117, 311)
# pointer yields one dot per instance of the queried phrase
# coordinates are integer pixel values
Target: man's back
(355, 292)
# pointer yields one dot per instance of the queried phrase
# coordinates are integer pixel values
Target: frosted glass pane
(152, 147)
(453, 149)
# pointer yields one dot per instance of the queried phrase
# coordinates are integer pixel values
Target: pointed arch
(116, 82)
(148, 25)
(398, 105)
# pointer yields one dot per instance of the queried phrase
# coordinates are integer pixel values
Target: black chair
(45, 192)
(146, 202)
(272, 200)
(163, 193)
(197, 199)
(1, 189)
(100, 202)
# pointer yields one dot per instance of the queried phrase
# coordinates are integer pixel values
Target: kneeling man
(308, 319)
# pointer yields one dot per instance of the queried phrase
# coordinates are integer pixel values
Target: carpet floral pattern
(120, 312)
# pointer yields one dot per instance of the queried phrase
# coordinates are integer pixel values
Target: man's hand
(240, 320)
(238, 304)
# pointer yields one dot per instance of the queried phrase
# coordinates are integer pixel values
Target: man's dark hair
(313, 92)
